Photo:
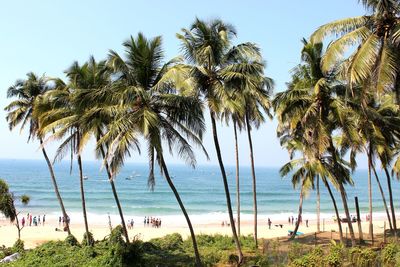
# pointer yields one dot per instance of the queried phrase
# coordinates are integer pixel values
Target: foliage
(88, 239)
(390, 254)
(71, 240)
(335, 255)
(18, 246)
(312, 259)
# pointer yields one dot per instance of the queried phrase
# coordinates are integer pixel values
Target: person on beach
(59, 221)
(44, 218)
(23, 221)
(296, 221)
(144, 221)
(39, 219)
(307, 222)
(148, 221)
(293, 220)
(30, 220)
(269, 223)
(289, 219)
(132, 223)
(34, 221)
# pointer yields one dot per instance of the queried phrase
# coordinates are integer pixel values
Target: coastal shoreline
(37, 235)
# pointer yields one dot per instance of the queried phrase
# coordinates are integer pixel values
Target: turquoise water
(201, 190)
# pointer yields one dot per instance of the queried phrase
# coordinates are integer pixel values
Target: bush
(335, 256)
(88, 239)
(312, 259)
(169, 242)
(18, 246)
(71, 240)
(116, 235)
(389, 254)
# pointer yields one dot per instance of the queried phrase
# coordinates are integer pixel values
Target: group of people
(63, 220)
(33, 220)
(292, 220)
(155, 222)
(130, 224)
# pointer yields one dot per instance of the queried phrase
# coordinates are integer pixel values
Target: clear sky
(46, 36)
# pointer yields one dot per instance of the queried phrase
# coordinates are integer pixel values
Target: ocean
(201, 190)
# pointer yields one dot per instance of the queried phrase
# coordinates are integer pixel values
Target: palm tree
(373, 38)
(377, 125)
(96, 81)
(62, 114)
(314, 108)
(21, 111)
(149, 106)
(210, 55)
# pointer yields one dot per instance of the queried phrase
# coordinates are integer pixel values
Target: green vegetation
(342, 100)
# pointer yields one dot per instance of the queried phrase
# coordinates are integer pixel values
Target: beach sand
(36, 235)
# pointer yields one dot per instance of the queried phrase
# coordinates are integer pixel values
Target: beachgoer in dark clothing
(307, 223)
(44, 219)
(269, 223)
(23, 221)
(59, 221)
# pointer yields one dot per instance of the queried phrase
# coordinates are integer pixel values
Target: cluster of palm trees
(343, 101)
(137, 97)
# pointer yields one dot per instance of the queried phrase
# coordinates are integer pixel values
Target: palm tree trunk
(389, 182)
(53, 179)
(226, 187)
(342, 191)
(293, 235)
(237, 178)
(336, 209)
(370, 194)
(114, 191)
(253, 175)
(83, 197)
(346, 210)
(318, 207)
(383, 197)
(178, 198)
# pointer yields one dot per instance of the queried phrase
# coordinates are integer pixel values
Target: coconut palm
(150, 106)
(207, 48)
(92, 76)
(313, 109)
(21, 111)
(373, 40)
(377, 127)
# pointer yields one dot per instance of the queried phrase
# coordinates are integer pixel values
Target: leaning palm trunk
(370, 195)
(389, 182)
(336, 209)
(237, 178)
(253, 175)
(53, 179)
(83, 199)
(383, 197)
(114, 191)
(346, 210)
(178, 198)
(318, 207)
(293, 235)
(226, 187)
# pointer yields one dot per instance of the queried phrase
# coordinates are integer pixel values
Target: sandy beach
(36, 235)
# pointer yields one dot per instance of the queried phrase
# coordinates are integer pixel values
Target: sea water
(201, 190)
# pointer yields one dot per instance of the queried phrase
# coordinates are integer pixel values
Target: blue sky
(47, 36)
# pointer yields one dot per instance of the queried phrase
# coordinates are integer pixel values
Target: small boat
(290, 232)
(85, 177)
(130, 177)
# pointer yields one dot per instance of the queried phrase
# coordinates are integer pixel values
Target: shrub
(18, 246)
(335, 256)
(116, 235)
(389, 253)
(71, 240)
(312, 259)
(169, 242)
(88, 239)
